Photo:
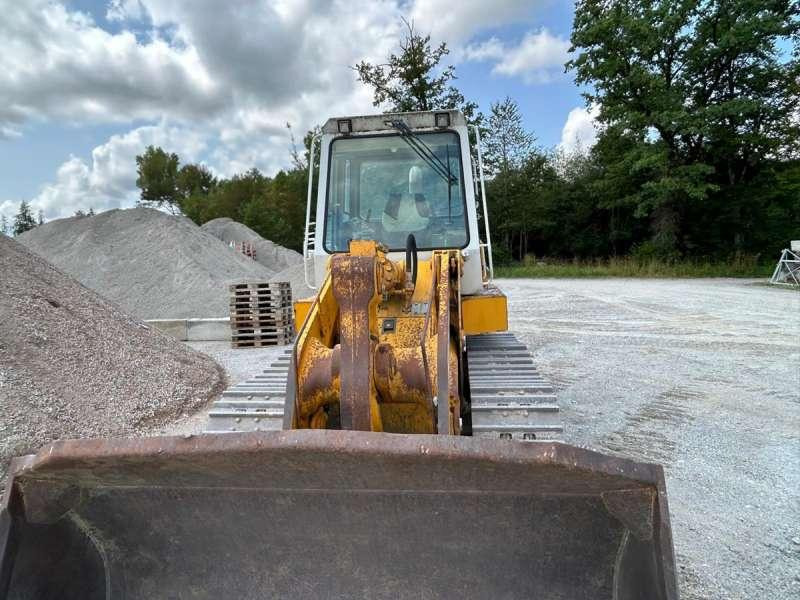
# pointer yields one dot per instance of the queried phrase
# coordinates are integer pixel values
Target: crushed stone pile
(269, 254)
(151, 264)
(287, 262)
(295, 275)
(73, 365)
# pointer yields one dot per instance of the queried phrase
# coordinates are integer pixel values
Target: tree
(507, 147)
(4, 229)
(408, 81)
(705, 91)
(40, 219)
(193, 179)
(24, 220)
(507, 144)
(157, 178)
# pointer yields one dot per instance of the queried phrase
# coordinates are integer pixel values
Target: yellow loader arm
(377, 352)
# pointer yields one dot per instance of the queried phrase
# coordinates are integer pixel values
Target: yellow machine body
(376, 353)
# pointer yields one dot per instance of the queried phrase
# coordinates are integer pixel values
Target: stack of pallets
(246, 248)
(261, 314)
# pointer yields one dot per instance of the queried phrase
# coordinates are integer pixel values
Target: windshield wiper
(424, 152)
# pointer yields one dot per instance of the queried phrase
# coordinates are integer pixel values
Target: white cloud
(456, 22)
(109, 181)
(58, 64)
(229, 77)
(580, 130)
(491, 49)
(539, 57)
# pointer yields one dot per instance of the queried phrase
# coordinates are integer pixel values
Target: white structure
(787, 272)
(373, 169)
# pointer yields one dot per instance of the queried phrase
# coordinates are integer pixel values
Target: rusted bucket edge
(76, 453)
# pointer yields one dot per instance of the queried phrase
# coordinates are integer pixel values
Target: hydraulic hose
(411, 257)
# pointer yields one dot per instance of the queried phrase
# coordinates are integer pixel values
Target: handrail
(483, 199)
(307, 231)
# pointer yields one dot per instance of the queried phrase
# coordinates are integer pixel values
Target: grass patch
(630, 267)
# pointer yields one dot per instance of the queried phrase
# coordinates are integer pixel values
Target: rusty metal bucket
(333, 514)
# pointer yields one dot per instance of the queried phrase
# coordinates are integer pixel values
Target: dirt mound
(268, 254)
(151, 264)
(73, 365)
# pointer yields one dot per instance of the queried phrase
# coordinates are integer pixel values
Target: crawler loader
(405, 447)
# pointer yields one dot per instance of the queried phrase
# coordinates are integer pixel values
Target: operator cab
(384, 177)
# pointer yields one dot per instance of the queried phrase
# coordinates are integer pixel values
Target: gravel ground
(72, 365)
(702, 376)
(239, 364)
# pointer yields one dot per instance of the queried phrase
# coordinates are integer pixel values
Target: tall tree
(413, 80)
(157, 178)
(507, 147)
(707, 89)
(4, 229)
(507, 143)
(24, 220)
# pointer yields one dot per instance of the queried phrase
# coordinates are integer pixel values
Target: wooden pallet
(268, 285)
(258, 306)
(261, 314)
(262, 338)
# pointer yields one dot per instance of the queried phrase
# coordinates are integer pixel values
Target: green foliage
(157, 178)
(704, 99)
(743, 266)
(162, 182)
(507, 144)
(273, 207)
(23, 221)
(412, 80)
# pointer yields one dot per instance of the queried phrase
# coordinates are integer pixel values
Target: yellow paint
(484, 314)
(301, 308)
(401, 397)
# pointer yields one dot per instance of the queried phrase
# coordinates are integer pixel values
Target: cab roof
(414, 120)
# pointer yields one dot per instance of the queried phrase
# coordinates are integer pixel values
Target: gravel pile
(287, 263)
(72, 365)
(268, 254)
(296, 277)
(151, 264)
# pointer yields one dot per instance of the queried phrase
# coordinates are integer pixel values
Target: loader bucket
(333, 514)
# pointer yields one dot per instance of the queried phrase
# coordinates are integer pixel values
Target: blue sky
(87, 84)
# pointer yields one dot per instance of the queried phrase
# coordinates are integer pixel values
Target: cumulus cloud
(538, 58)
(580, 130)
(456, 22)
(57, 63)
(109, 180)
